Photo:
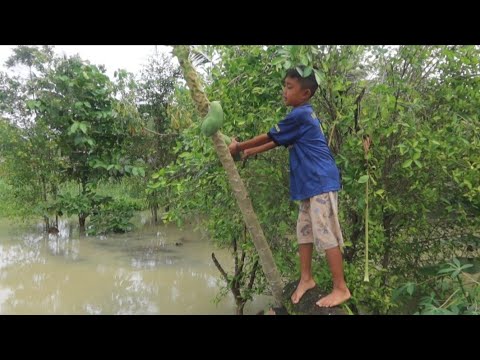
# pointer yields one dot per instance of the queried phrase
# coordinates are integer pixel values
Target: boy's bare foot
(336, 297)
(302, 288)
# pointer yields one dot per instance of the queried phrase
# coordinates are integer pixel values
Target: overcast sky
(114, 57)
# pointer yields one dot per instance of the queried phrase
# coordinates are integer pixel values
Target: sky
(114, 57)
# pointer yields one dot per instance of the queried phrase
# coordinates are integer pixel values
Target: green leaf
(99, 164)
(418, 163)
(307, 71)
(410, 288)
(304, 60)
(32, 104)
(468, 183)
(277, 61)
(466, 266)
(379, 192)
(73, 128)
(318, 77)
(300, 71)
(444, 271)
(363, 179)
(407, 163)
(455, 273)
(155, 186)
(83, 127)
(79, 140)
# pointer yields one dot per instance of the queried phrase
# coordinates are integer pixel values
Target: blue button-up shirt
(312, 167)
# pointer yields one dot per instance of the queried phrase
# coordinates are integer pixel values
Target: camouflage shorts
(318, 222)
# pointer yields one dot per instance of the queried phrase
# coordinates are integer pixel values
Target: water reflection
(154, 270)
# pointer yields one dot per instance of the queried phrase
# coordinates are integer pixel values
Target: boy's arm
(235, 147)
(258, 149)
(253, 146)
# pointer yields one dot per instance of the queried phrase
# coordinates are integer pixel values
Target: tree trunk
(46, 219)
(81, 221)
(240, 192)
(240, 308)
(155, 213)
(351, 251)
(82, 216)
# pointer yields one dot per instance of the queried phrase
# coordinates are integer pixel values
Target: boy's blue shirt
(312, 167)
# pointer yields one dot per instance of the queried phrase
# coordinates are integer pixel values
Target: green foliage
(27, 168)
(113, 216)
(79, 121)
(6, 201)
(78, 104)
(80, 203)
(417, 104)
(452, 291)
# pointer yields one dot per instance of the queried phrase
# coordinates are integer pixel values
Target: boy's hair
(308, 82)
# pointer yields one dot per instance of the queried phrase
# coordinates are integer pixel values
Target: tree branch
(252, 275)
(219, 267)
(235, 254)
(156, 133)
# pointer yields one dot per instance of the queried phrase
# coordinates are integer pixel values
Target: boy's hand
(233, 147)
(246, 153)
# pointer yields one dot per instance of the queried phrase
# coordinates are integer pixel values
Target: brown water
(143, 272)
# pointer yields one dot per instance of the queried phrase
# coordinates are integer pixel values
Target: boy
(314, 180)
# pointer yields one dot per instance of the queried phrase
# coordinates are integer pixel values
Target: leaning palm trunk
(239, 190)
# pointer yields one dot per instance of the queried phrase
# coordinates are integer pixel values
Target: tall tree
(243, 200)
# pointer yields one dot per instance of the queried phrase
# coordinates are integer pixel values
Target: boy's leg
(340, 292)
(306, 281)
(305, 249)
(328, 236)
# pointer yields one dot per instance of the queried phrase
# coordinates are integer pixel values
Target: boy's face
(293, 94)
